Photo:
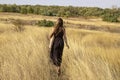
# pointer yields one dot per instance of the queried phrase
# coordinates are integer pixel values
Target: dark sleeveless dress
(57, 48)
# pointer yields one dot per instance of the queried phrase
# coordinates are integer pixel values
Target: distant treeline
(107, 14)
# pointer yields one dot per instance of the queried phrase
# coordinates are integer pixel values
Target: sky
(87, 3)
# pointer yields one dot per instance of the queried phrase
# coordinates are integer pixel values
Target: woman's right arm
(65, 38)
(51, 39)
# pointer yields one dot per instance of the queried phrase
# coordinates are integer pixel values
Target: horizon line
(60, 5)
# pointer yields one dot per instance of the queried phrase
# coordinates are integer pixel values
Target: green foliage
(23, 10)
(68, 14)
(110, 16)
(47, 13)
(36, 10)
(62, 11)
(30, 9)
(3, 8)
(45, 23)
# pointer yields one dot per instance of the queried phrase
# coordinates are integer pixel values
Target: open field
(90, 21)
(93, 55)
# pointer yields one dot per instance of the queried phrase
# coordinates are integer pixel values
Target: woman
(56, 45)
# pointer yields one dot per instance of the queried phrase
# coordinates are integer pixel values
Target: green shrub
(110, 17)
(45, 23)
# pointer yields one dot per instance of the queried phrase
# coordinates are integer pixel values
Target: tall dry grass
(93, 55)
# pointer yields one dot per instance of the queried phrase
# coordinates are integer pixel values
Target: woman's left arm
(65, 38)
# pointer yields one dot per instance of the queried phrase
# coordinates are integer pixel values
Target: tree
(61, 12)
(64, 11)
(14, 8)
(68, 14)
(30, 9)
(36, 10)
(23, 10)
(110, 17)
(3, 8)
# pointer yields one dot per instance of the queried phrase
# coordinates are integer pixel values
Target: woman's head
(58, 27)
(59, 22)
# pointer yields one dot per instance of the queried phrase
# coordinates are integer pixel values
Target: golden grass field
(93, 55)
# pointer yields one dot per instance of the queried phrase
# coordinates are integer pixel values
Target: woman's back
(60, 33)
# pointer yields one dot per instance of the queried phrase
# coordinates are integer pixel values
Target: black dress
(57, 48)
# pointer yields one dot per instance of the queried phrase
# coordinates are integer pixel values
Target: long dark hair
(58, 27)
